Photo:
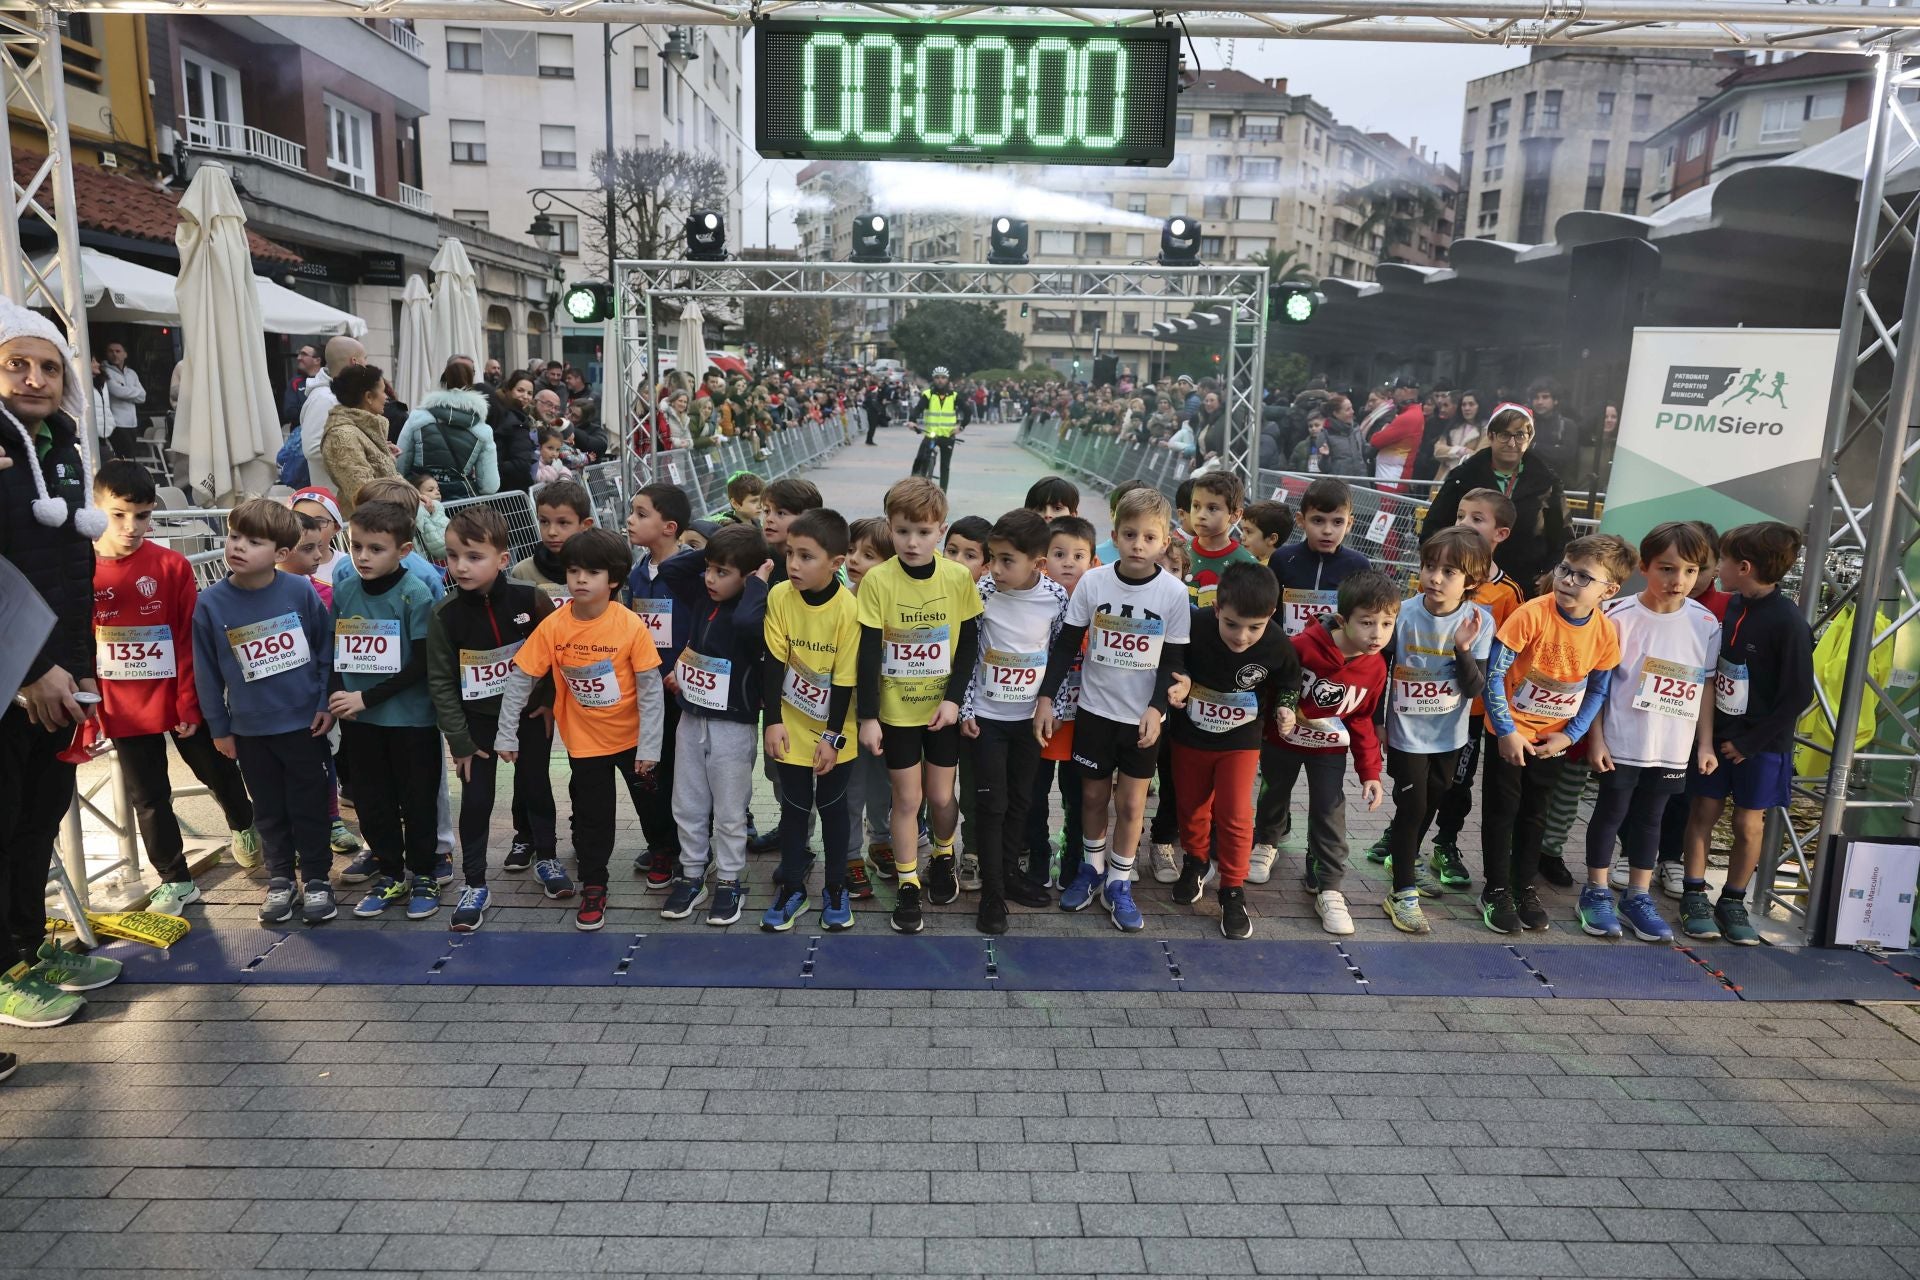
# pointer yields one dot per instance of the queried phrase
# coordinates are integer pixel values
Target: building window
(1696, 145)
(349, 145)
(569, 228)
(1496, 167)
(1137, 202)
(1596, 174)
(1180, 167)
(463, 48)
(641, 76)
(1550, 109)
(1129, 322)
(1246, 247)
(1497, 116)
(1213, 207)
(1630, 192)
(1219, 126)
(1098, 244)
(1526, 113)
(1471, 131)
(1489, 211)
(1262, 128)
(1057, 243)
(1183, 124)
(1136, 245)
(1642, 110)
(1219, 166)
(1214, 247)
(1176, 206)
(1604, 106)
(214, 118)
(556, 147)
(1730, 125)
(473, 218)
(469, 141)
(1254, 209)
(1259, 168)
(1826, 106)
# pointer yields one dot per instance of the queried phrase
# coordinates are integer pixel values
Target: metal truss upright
(31, 69)
(1242, 291)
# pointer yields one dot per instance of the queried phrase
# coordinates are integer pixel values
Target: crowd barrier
(704, 473)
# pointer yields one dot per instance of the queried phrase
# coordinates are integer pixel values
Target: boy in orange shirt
(1553, 660)
(608, 702)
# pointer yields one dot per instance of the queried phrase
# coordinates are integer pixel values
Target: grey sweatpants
(869, 792)
(712, 780)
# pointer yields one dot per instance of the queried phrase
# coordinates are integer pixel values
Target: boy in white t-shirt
(1657, 717)
(1136, 620)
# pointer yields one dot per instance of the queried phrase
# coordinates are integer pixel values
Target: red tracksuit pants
(1216, 806)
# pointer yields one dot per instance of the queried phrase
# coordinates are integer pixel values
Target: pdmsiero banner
(1722, 425)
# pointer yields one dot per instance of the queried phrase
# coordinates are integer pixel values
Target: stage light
(1180, 243)
(1293, 303)
(588, 301)
(870, 236)
(706, 236)
(1007, 242)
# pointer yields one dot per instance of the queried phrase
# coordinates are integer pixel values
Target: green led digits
(989, 95)
(866, 52)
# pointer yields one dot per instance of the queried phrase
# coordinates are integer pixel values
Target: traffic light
(1076, 368)
(588, 302)
(1294, 303)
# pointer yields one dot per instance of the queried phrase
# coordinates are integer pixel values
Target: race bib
(267, 648)
(806, 690)
(1217, 711)
(1127, 644)
(1423, 693)
(1731, 688)
(657, 613)
(134, 653)
(557, 593)
(1012, 677)
(1550, 699)
(704, 681)
(916, 653)
(1322, 734)
(1300, 608)
(1669, 689)
(366, 646)
(594, 685)
(484, 672)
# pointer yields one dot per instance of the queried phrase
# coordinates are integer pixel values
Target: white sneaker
(1260, 864)
(1673, 878)
(969, 872)
(172, 898)
(1617, 876)
(1166, 865)
(1334, 916)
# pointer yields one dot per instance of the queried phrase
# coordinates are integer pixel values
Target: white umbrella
(284, 311)
(415, 377)
(228, 417)
(456, 308)
(693, 341)
(118, 290)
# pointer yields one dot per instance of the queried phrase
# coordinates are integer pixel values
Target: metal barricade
(516, 506)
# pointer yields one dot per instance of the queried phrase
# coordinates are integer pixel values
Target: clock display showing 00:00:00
(979, 92)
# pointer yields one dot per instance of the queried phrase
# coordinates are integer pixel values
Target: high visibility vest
(940, 417)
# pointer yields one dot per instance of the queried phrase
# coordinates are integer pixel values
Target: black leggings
(1457, 803)
(534, 813)
(1631, 814)
(143, 766)
(1419, 784)
(590, 788)
(1039, 818)
(1004, 756)
(1165, 826)
(396, 771)
(1514, 819)
(801, 791)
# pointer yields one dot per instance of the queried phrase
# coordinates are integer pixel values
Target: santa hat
(17, 321)
(321, 495)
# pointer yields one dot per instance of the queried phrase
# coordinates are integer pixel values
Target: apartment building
(1571, 129)
(1761, 113)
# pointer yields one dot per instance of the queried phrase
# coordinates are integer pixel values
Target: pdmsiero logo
(1709, 387)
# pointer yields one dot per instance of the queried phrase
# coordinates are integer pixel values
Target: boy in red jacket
(143, 599)
(1342, 676)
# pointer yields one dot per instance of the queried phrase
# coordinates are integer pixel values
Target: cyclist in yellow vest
(940, 414)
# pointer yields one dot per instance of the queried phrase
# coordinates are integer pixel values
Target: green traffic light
(1299, 308)
(587, 302)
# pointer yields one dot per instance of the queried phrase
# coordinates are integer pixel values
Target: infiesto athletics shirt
(919, 621)
(1128, 625)
(819, 647)
(593, 665)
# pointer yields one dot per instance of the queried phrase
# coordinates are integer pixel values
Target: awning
(725, 363)
(119, 291)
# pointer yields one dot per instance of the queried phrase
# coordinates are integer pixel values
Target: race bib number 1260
(267, 648)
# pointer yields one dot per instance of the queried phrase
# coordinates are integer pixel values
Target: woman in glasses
(1541, 530)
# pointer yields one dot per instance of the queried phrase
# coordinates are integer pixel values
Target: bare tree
(792, 329)
(653, 190)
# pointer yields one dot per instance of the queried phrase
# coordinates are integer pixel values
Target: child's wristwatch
(835, 740)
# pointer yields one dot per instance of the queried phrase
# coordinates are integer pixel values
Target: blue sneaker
(554, 881)
(471, 912)
(728, 895)
(1086, 882)
(425, 899)
(363, 868)
(785, 910)
(383, 893)
(836, 913)
(443, 871)
(1596, 912)
(683, 897)
(1118, 900)
(1643, 917)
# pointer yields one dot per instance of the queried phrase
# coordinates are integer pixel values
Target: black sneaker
(906, 915)
(1195, 875)
(1025, 892)
(1233, 914)
(992, 916)
(1533, 916)
(940, 880)
(519, 857)
(1497, 911)
(1554, 872)
(768, 843)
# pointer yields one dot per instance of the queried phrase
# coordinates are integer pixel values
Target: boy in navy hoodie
(666, 590)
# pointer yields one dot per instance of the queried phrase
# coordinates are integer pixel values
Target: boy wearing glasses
(1553, 660)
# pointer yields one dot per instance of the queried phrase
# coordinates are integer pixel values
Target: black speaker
(1608, 286)
(1106, 371)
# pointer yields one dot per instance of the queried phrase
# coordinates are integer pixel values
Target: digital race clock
(958, 90)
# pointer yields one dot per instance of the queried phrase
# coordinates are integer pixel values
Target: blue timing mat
(538, 959)
(734, 958)
(944, 962)
(1622, 971)
(1442, 969)
(1776, 973)
(205, 955)
(1080, 964)
(376, 957)
(1311, 968)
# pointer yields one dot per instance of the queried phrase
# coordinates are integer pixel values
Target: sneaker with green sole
(341, 838)
(1696, 917)
(1403, 908)
(27, 1000)
(173, 898)
(1447, 866)
(71, 971)
(246, 848)
(1735, 925)
(1378, 851)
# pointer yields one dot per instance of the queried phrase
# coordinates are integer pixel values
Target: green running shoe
(71, 971)
(1378, 851)
(1447, 866)
(26, 1000)
(246, 848)
(341, 839)
(1403, 908)
(1696, 917)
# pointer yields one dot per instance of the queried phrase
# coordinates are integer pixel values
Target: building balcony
(243, 140)
(405, 39)
(416, 199)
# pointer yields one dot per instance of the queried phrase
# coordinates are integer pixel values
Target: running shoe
(277, 906)
(593, 908)
(969, 872)
(728, 896)
(73, 972)
(1260, 863)
(1597, 914)
(788, 906)
(859, 887)
(1378, 851)
(424, 901)
(1643, 916)
(1554, 870)
(1697, 917)
(318, 906)
(1117, 898)
(880, 858)
(381, 894)
(361, 869)
(554, 880)
(1673, 878)
(906, 912)
(836, 913)
(28, 1000)
(341, 838)
(1619, 875)
(683, 897)
(940, 882)
(471, 912)
(1497, 911)
(443, 871)
(1331, 906)
(1735, 926)
(1403, 908)
(173, 898)
(1447, 865)
(1195, 875)
(246, 848)
(991, 918)
(1079, 893)
(519, 857)
(1533, 915)
(1166, 864)
(661, 874)
(1234, 922)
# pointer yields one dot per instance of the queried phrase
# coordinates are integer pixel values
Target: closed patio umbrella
(228, 423)
(456, 308)
(692, 359)
(415, 376)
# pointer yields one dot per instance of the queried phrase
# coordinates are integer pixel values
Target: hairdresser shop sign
(1722, 425)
